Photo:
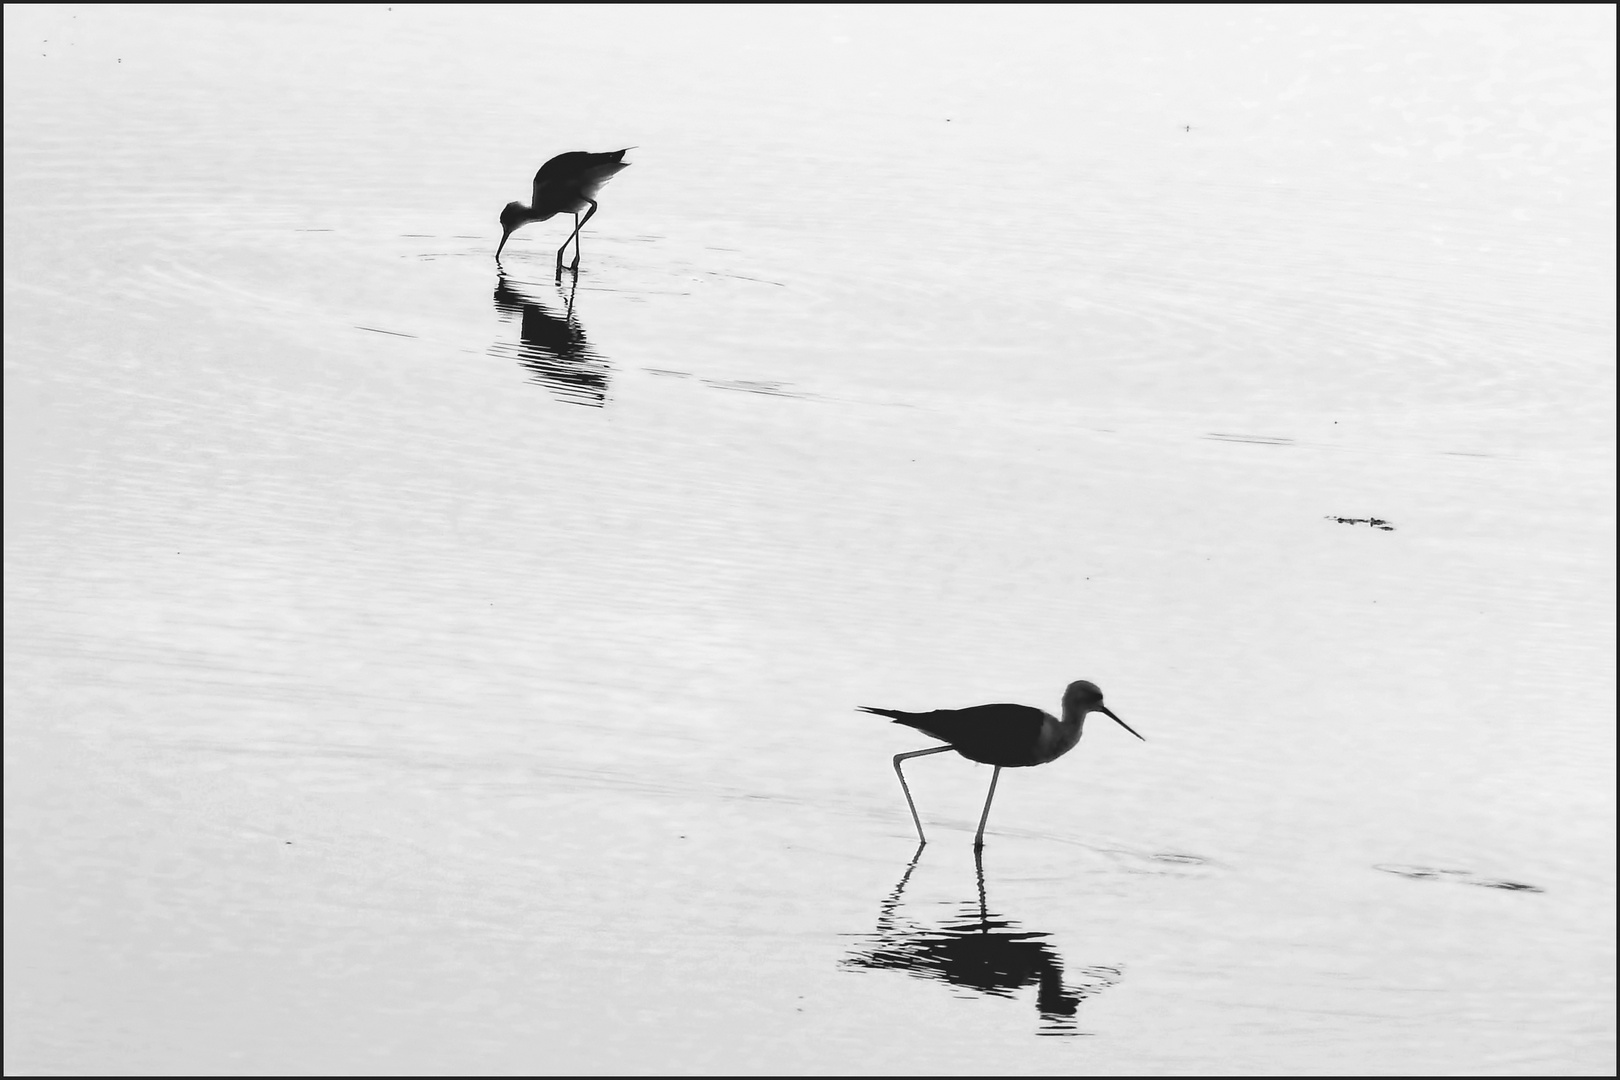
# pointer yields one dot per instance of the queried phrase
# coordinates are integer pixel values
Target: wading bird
(568, 183)
(1006, 736)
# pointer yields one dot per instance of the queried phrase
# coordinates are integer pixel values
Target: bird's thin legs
(564, 248)
(577, 229)
(578, 225)
(978, 841)
(898, 758)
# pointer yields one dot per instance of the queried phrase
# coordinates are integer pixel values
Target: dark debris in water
(1464, 877)
(1377, 523)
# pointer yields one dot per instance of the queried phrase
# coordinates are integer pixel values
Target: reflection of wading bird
(1006, 736)
(988, 954)
(551, 345)
(568, 183)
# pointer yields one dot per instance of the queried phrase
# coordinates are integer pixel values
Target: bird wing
(993, 734)
(557, 171)
(575, 171)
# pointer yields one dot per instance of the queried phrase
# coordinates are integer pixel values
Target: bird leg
(898, 758)
(565, 248)
(978, 841)
(578, 225)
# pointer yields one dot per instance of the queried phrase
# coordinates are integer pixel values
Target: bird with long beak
(1006, 736)
(568, 183)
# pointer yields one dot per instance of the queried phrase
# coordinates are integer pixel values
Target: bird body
(1012, 736)
(1006, 736)
(568, 183)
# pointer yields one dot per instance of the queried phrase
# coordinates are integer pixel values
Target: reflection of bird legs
(568, 316)
(887, 909)
(978, 865)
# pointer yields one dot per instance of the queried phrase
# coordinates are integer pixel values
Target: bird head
(1084, 697)
(513, 215)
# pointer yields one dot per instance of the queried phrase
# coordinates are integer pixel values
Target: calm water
(411, 669)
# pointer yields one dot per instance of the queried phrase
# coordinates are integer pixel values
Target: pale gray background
(371, 707)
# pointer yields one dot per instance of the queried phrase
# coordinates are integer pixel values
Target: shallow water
(414, 669)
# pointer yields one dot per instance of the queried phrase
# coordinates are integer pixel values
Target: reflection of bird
(1008, 736)
(552, 346)
(567, 183)
(987, 953)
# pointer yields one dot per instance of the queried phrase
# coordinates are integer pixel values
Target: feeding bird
(1006, 736)
(568, 183)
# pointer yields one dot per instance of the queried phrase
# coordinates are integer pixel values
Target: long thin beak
(502, 244)
(1108, 713)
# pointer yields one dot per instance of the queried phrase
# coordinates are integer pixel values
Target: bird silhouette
(568, 183)
(1006, 736)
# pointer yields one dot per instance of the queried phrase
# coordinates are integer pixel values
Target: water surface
(415, 669)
